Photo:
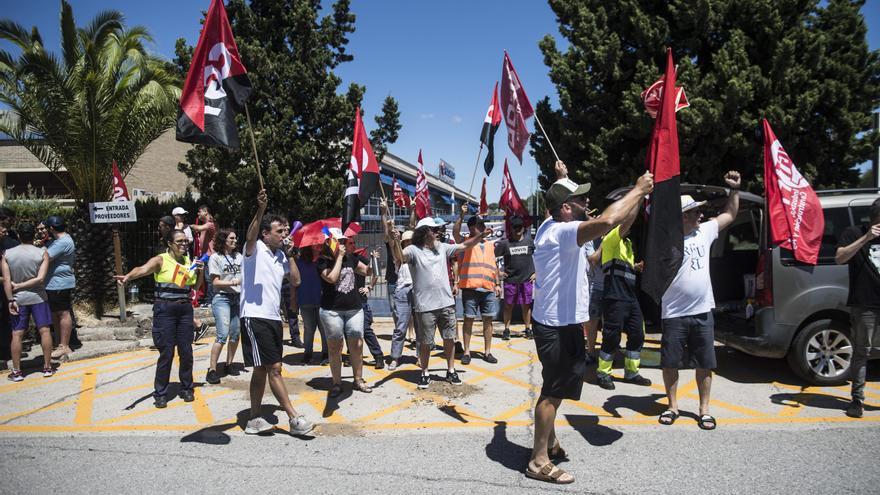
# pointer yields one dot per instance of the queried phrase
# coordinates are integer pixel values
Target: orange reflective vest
(476, 269)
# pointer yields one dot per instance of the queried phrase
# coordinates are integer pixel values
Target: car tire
(821, 353)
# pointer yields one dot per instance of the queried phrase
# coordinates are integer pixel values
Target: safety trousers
(621, 317)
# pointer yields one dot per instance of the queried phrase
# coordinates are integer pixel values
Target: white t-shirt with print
(261, 275)
(691, 291)
(562, 292)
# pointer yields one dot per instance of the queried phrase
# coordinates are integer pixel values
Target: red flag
(796, 218)
(651, 98)
(362, 175)
(484, 206)
(490, 127)
(510, 201)
(516, 108)
(401, 198)
(423, 198)
(216, 86)
(665, 236)
(120, 192)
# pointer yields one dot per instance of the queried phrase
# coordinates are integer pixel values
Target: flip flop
(707, 422)
(668, 417)
(550, 474)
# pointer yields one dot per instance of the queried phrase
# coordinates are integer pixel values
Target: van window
(836, 221)
(861, 215)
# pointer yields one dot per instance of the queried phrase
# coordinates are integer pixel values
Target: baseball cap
(430, 222)
(55, 222)
(517, 222)
(407, 236)
(688, 203)
(168, 220)
(562, 190)
(179, 211)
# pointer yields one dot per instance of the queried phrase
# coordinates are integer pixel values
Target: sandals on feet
(707, 422)
(362, 386)
(668, 417)
(549, 473)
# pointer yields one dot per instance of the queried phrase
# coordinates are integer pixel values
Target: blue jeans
(312, 321)
(478, 303)
(403, 304)
(865, 335)
(392, 288)
(342, 324)
(225, 308)
(369, 335)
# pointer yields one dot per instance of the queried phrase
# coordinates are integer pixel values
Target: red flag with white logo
(400, 197)
(362, 175)
(510, 201)
(120, 192)
(423, 198)
(652, 98)
(484, 205)
(216, 86)
(515, 107)
(797, 222)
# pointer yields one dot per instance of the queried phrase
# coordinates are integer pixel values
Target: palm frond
(15, 33)
(69, 41)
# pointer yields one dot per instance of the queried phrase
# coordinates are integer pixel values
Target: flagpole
(546, 137)
(247, 114)
(476, 166)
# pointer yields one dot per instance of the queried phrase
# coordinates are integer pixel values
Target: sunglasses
(182, 242)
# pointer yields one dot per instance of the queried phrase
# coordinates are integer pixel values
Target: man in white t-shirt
(262, 270)
(686, 307)
(561, 305)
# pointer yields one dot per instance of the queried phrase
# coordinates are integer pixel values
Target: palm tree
(105, 99)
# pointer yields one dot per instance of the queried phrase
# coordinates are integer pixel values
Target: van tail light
(764, 279)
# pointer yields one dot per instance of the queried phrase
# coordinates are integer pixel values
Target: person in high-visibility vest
(479, 281)
(621, 312)
(175, 277)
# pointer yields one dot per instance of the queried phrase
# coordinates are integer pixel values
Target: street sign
(112, 212)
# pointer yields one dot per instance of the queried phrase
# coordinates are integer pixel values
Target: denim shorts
(342, 324)
(478, 303)
(225, 308)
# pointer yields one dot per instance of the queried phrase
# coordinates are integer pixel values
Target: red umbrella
(312, 234)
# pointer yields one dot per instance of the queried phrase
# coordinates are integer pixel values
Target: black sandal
(668, 417)
(707, 422)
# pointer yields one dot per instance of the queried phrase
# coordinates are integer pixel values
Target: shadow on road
(332, 403)
(501, 450)
(645, 405)
(216, 434)
(821, 401)
(594, 433)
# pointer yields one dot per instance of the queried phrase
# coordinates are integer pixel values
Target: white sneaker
(392, 366)
(300, 425)
(258, 425)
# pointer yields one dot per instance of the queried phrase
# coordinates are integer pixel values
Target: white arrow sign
(112, 212)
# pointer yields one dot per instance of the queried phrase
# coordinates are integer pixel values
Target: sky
(440, 60)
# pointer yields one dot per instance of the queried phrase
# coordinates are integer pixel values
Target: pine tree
(303, 125)
(805, 68)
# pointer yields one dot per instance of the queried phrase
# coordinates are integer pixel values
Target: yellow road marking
(201, 409)
(86, 399)
(525, 406)
(153, 410)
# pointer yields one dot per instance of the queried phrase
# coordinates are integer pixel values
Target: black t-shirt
(864, 269)
(518, 262)
(390, 269)
(343, 295)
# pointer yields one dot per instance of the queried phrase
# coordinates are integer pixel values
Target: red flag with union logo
(120, 192)
(797, 222)
(515, 107)
(423, 198)
(216, 86)
(401, 198)
(484, 205)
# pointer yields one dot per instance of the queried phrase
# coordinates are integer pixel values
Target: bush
(33, 207)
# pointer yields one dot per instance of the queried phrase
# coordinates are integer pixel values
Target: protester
(166, 225)
(597, 295)
(41, 236)
(24, 269)
(6, 242)
(432, 294)
(518, 275)
(290, 313)
(224, 268)
(561, 306)
(308, 296)
(180, 223)
(622, 313)
(172, 313)
(686, 306)
(263, 267)
(859, 248)
(479, 281)
(342, 311)
(61, 282)
(204, 229)
(364, 289)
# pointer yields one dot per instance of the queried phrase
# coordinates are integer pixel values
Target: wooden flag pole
(476, 166)
(546, 137)
(247, 114)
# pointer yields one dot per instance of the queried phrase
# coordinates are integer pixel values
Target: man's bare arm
(253, 231)
(616, 212)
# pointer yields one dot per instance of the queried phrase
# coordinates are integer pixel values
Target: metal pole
(476, 166)
(546, 137)
(120, 290)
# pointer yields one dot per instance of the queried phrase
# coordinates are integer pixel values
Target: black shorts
(688, 342)
(60, 300)
(622, 316)
(561, 352)
(261, 343)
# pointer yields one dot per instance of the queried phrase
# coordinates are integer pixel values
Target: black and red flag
(490, 127)
(362, 174)
(664, 240)
(516, 108)
(216, 86)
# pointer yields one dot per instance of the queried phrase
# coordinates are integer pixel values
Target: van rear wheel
(822, 353)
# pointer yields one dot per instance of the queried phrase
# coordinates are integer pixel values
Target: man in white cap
(434, 305)
(686, 307)
(561, 305)
(180, 223)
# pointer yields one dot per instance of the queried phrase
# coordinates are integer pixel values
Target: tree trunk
(95, 286)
